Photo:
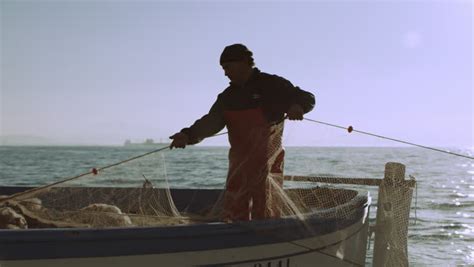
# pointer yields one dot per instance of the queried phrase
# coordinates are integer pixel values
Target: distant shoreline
(159, 145)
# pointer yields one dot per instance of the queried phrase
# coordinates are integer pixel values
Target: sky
(100, 72)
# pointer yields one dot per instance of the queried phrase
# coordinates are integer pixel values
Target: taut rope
(351, 129)
(92, 171)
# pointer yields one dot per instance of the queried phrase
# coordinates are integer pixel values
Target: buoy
(95, 171)
(349, 129)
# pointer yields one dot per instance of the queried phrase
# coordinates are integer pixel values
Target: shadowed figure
(253, 108)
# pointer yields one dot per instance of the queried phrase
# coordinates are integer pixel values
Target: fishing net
(138, 192)
(135, 193)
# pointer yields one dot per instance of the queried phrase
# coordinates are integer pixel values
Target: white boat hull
(343, 248)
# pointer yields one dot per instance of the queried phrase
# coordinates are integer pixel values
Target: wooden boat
(326, 238)
(334, 231)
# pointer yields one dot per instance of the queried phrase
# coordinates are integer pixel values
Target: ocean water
(441, 230)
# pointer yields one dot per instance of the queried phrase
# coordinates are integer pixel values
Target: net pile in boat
(137, 193)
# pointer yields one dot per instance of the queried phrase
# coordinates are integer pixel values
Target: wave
(446, 206)
(436, 237)
(427, 237)
(322, 174)
(459, 195)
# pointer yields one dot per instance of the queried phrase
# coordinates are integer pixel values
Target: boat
(147, 143)
(334, 232)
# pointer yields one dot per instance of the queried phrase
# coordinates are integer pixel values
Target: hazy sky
(99, 72)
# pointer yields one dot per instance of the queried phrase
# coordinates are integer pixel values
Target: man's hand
(180, 140)
(295, 112)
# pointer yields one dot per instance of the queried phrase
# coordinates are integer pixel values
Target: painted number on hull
(279, 263)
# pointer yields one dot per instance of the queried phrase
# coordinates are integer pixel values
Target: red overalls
(255, 175)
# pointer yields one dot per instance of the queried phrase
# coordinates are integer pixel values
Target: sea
(441, 227)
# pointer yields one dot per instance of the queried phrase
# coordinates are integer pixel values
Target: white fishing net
(136, 193)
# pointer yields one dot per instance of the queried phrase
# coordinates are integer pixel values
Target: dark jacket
(273, 94)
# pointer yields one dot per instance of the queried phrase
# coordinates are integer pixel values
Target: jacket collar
(255, 73)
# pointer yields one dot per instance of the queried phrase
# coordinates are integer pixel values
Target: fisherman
(253, 108)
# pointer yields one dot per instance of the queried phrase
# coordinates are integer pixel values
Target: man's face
(236, 71)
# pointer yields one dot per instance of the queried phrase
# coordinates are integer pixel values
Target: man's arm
(297, 101)
(206, 126)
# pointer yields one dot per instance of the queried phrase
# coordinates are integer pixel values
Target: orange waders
(255, 174)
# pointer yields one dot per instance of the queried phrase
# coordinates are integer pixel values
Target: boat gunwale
(177, 238)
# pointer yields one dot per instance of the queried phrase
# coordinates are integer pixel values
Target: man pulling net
(253, 108)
